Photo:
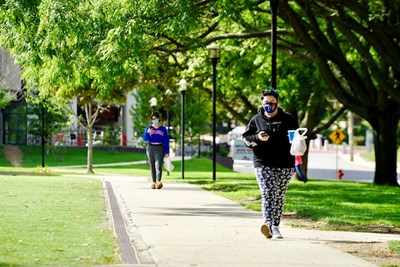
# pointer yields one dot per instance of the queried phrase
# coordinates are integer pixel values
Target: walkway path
(184, 225)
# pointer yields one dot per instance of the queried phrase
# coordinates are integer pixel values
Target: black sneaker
(266, 230)
(303, 179)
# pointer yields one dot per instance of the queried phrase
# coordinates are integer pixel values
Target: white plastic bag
(299, 145)
(168, 164)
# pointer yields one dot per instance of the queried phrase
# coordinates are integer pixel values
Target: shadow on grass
(5, 264)
(233, 187)
(26, 173)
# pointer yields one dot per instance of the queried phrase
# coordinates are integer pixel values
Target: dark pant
(155, 155)
(299, 171)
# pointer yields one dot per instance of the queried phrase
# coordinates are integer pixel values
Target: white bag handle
(304, 131)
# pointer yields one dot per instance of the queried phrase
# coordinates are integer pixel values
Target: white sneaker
(275, 232)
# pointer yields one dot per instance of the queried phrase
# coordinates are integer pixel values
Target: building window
(15, 123)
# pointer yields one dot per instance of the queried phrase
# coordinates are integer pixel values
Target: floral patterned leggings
(273, 183)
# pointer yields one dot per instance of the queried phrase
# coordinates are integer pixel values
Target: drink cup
(291, 135)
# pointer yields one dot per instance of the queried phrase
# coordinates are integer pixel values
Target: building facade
(14, 118)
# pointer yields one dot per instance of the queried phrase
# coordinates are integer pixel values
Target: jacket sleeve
(294, 124)
(166, 141)
(250, 134)
(146, 135)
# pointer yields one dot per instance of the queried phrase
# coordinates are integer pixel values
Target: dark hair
(270, 91)
(155, 114)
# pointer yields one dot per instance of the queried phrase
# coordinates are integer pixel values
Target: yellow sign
(337, 136)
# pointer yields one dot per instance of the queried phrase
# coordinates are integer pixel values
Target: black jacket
(276, 151)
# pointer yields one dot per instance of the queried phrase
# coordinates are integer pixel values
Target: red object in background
(60, 137)
(340, 174)
(79, 141)
(124, 140)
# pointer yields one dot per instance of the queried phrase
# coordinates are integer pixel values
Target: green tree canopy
(98, 50)
(59, 45)
(356, 48)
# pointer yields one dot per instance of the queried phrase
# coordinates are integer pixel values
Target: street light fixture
(182, 88)
(153, 103)
(214, 54)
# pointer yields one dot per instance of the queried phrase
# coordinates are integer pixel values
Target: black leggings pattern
(273, 183)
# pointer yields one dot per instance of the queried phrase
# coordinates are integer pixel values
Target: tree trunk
(386, 150)
(89, 131)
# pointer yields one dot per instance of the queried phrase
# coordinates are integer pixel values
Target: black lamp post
(214, 52)
(43, 133)
(168, 93)
(274, 10)
(182, 88)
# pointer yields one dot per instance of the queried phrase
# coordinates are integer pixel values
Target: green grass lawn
(67, 156)
(54, 221)
(3, 161)
(371, 155)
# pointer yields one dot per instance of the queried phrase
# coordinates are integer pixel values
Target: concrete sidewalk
(184, 225)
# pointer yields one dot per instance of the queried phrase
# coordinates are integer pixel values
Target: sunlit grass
(3, 161)
(395, 246)
(371, 155)
(336, 203)
(67, 156)
(54, 221)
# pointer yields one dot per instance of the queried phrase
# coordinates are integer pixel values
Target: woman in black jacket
(267, 134)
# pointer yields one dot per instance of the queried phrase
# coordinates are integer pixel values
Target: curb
(128, 252)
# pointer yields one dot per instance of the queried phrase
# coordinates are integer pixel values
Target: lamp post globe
(153, 103)
(214, 51)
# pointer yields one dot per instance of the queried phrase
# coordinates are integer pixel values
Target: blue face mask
(269, 107)
(155, 121)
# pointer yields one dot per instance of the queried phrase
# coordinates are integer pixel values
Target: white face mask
(155, 121)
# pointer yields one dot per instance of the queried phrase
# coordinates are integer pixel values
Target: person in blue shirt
(157, 139)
